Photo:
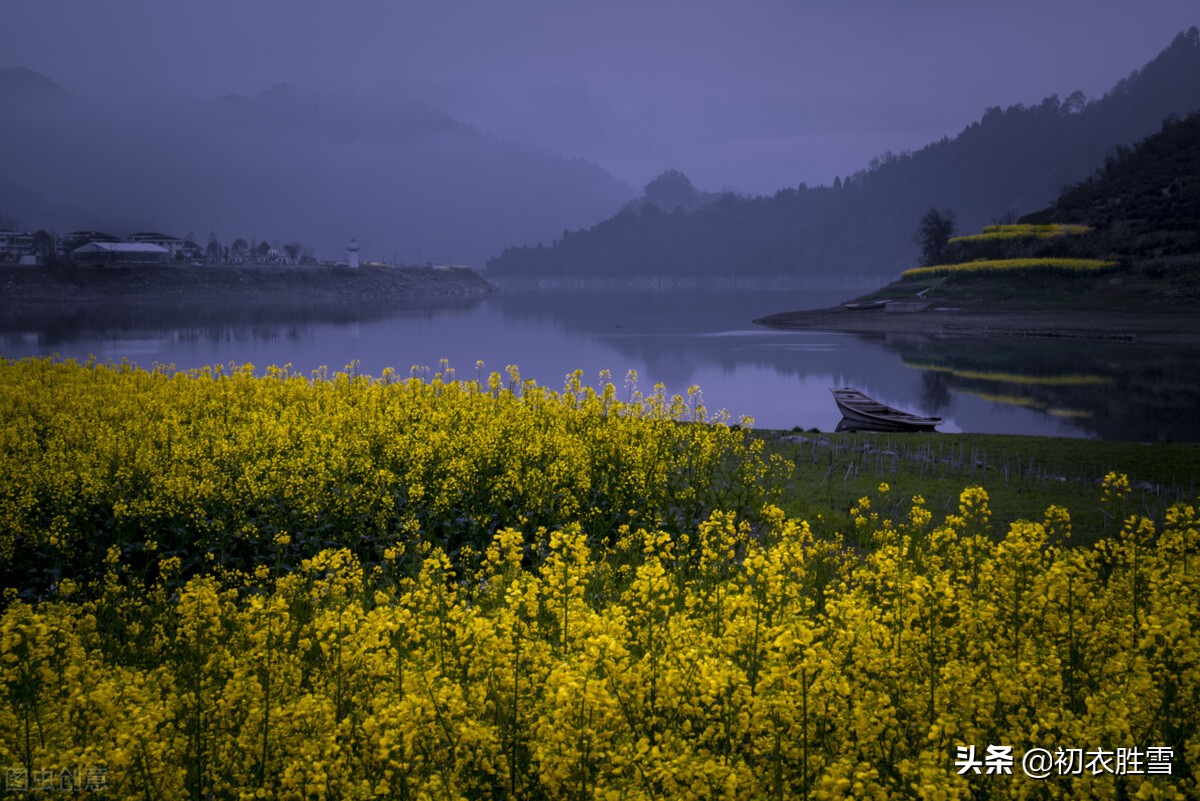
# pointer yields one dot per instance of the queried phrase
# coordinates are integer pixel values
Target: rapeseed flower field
(225, 585)
(993, 233)
(1007, 266)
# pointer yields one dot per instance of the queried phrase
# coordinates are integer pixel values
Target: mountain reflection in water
(1110, 390)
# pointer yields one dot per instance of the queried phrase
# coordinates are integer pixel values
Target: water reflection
(1112, 390)
(846, 424)
(782, 379)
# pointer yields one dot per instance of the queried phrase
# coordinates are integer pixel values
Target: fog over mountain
(1010, 162)
(407, 179)
(456, 128)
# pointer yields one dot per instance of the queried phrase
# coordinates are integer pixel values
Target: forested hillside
(1123, 240)
(1011, 162)
(1145, 201)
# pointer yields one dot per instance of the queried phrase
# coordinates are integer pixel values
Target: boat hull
(862, 413)
(855, 424)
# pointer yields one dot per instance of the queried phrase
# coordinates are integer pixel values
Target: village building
(275, 256)
(14, 245)
(172, 244)
(121, 252)
(77, 239)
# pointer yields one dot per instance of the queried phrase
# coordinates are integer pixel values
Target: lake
(1108, 390)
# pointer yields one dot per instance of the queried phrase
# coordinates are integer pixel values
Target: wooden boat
(864, 304)
(863, 413)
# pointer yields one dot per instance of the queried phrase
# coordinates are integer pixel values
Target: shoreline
(1167, 327)
(672, 283)
(157, 283)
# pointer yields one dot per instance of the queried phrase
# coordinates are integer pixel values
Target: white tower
(353, 248)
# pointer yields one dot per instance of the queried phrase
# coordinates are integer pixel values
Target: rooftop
(120, 247)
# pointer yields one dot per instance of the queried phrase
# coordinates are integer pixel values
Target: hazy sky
(752, 95)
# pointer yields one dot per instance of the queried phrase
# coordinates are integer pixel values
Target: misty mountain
(21, 208)
(406, 179)
(324, 117)
(22, 85)
(669, 191)
(1012, 161)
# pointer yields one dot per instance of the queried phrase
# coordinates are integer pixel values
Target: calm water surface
(781, 379)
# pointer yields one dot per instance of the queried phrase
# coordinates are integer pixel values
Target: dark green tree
(933, 233)
(43, 243)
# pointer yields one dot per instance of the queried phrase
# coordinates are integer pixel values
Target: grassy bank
(1022, 475)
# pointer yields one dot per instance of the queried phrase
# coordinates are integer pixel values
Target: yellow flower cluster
(1024, 231)
(725, 661)
(224, 467)
(986, 266)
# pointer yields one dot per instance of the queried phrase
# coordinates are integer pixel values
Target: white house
(173, 244)
(15, 244)
(121, 253)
